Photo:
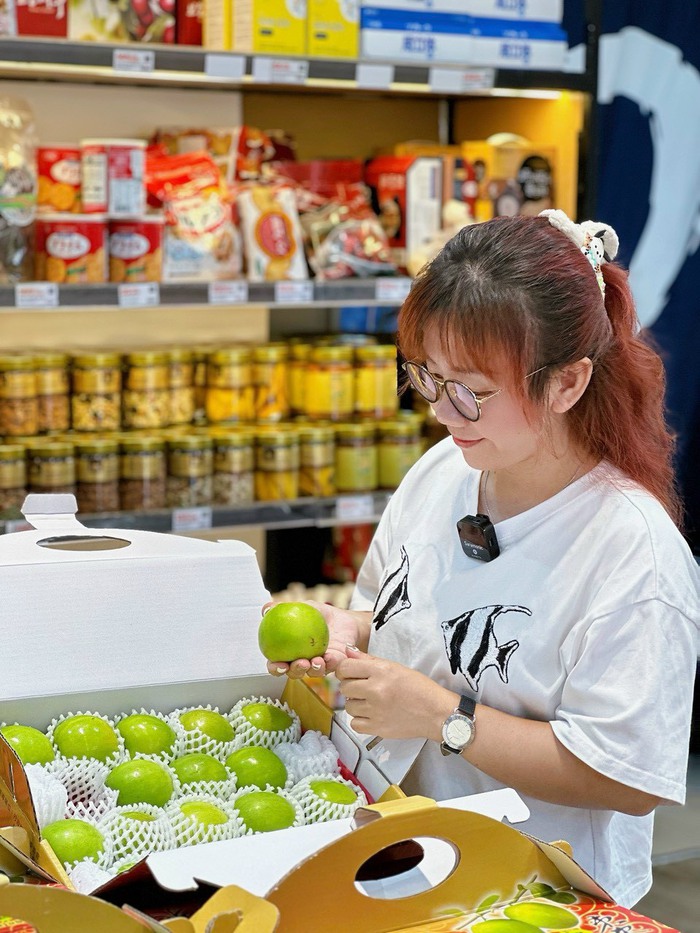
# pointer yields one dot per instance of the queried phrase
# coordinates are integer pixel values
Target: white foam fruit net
(195, 740)
(49, 795)
(314, 753)
(317, 809)
(249, 734)
(86, 876)
(136, 831)
(190, 831)
(113, 758)
(286, 795)
(83, 779)
(220, 789)
(178, 747)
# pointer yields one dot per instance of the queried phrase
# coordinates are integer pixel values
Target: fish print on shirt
(472, 645)
(393, 596)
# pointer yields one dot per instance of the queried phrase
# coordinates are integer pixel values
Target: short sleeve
(626, 704)
(370, 575)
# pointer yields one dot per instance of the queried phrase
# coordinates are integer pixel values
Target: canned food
(298, 357)
(398, 449)
(190, 468)
(356, 457)
(53, 392)
(181, 370)
(375, 381)
(230, 392)
(13, 476)
(113, 176)
(136, 249)
(316, 460)
(270, 381)
(70, 248)
(276, 463)
(97, 475)
(51, 467)
(146, 390)
(328, 384)
(142, 473)
(96, 391)
(234, 463)
(58, 178)
(19, 406)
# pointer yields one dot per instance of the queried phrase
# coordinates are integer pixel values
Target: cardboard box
(273, 27)
(543, 11)
(42, 18)
(333, 28)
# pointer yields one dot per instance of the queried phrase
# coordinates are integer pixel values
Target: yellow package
(277, 27)
(333, 28)
(272, 235)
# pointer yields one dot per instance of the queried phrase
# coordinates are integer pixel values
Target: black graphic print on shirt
(472, 645)
(393, 596)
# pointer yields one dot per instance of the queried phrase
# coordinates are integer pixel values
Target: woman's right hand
(346, 627)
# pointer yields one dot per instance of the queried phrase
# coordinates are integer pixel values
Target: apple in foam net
(141, 781)
(85, 736)
(267, 717)
(31, 746)
(209, 722)
(208, 814)
(146, 734)
(333, 791)
(74, 840)
(256, 766)
(263, 811)
(291, 630)
(199, 767)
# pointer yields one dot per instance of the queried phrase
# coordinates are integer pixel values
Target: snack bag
(201, 240)
(272, 235)
(17, 189)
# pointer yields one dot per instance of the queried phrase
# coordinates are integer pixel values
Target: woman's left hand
(387, 699)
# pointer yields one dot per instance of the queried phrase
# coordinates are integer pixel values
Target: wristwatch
(459, 729)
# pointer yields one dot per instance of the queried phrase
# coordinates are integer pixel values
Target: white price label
(228, 293)
(139, 60)
(354, 508)
(17, 524)
(374, 76)
(36, 295)
(139, 295)
(287, 293)
(195, 519)
(224, 66)
(461, 80)
(280, 70)
(393, 291)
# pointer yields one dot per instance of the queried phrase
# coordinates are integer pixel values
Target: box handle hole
(407, 868)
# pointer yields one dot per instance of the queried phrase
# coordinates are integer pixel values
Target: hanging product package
(17, 189)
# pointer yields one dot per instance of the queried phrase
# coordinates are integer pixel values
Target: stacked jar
(270, 379)
(399, 446)
(375, 381)
(13, 476)
(51, 467)
(142, 473)
(234, 464)
(146, 390)
(229, 387)
(53, 392)
(316, 460)
(96, 391)
(19, 406)
(181, 369)
(190, 470)
(356, 457)
(276, 462)
(328, 384)
(97, 475)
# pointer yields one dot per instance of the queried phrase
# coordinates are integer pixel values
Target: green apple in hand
(292, 630)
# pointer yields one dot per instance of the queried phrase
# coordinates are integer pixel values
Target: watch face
(458, 732)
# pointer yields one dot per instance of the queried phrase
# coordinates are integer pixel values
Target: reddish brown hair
(515, 294)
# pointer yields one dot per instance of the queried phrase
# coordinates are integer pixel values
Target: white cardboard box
(543, 11)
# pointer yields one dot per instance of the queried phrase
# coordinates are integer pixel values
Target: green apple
(266, 717)
(199, 767)
(212, 724)
(333, 792)
(289, 631)
(85, 736)
(538, 914)
(31, 746)
(141, 781)
(255, 766)
(146, 734)
(507, 926)
(264, 810)
(138, 816)
(204, 812)
(74, 840)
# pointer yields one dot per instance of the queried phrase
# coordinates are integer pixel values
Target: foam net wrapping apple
(85, 876)
(86, 736)
(205, 730)
(137, 830)
(197, 818)
(84, 781)
(314, 753)
(323, 798)
(266, 810)
(149, 732)
(48, 793)
(222, 784)
(264, 721)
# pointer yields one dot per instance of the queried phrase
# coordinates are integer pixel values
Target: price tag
(392, 291)
(138, 60)
(280, 70)
(192, 519)
(139, 295)
(354, 508)
(461, 80)
(224, 66)
(36, 295)
(228, 293)
(17, 524)
(374, 76)
(290, 293)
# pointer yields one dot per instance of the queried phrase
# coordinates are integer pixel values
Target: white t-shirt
(587, 620)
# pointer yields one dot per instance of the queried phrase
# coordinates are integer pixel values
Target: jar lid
(47, 359)
(10, 361)
(11, 452)
(190, 442)
(135, 443)
(97, 446)
(376, 351)
(356, 429)
(181, 354)
(96, 359)
(399, 428)
(224, 355)
(232, 438)
(270, 353)
(284, 435)
(316, 432)
(45, 448)
(332, 353)
(147, 358)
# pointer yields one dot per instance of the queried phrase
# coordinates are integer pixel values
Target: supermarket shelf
(187, 66)
(46, 296)
(292, 513)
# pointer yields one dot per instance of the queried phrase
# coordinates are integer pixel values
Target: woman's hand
(387, 699)
(345, 627)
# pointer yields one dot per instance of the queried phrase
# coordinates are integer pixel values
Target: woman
(552, 646)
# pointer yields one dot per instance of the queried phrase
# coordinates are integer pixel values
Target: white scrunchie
(597, 241)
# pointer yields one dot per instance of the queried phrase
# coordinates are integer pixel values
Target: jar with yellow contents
(270, 377)
(328, 384)
(19, 406)
(181, 385)
(276, 463)
(399, 447)
(96, 391)
(142, 472)
(146, 390)
(230, 392)
(356, 457)
(316, 460)
(53, 392)
(190, 470)
(298, 359)
(97, 475)
(13, 476)
(51, 467)
(375, 381)
(234, 467)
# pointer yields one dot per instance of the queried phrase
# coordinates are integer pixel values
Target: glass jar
(276, 463)
(181, 384)
(146, 390)
(190, 467)
(356, 457)
(296, 371)
(375, 381)
(230, 393)
(234, 462)
(97, 475)
(270, 378)
(142, 471)
(19, 406)
(53, 392)
(316, 460)
(96, 391)
(328, 384)
(398, 449)
(51, 467)
(199, 379)
(13, 476)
